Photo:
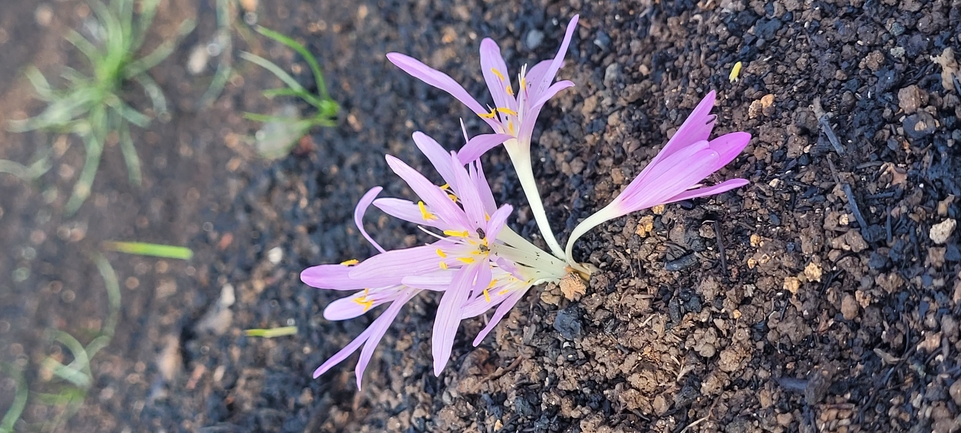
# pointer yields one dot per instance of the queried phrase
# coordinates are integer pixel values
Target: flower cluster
(476, 262)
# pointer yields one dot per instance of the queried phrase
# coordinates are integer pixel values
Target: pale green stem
(525, 174)
(592, 221)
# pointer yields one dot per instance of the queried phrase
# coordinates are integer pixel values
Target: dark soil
(814, 299)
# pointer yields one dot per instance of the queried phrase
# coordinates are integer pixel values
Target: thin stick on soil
(823, 117)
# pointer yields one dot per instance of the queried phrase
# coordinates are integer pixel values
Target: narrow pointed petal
(658, 190)
(400, 208)
(343, 353)
(388, 269)
(483, 188)
(435, 78)
(430, 193)
(495, 73)
(331, 277)
(377, 330)
(479, 145)
(438, 156)
(697, 127)
(359, 211)
(498, 221)
(725, 186)
(348, 308)
(469, 198)
(501, 311)
(436, 281)
(447, 318)
(558, 60)
(536, 74)
(551, 91)
(729, 146)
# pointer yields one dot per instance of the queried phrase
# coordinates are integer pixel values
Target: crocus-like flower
(475, 261)
(676, 172)
(513, 115)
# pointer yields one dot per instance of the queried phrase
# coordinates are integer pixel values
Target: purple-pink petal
(729, 146)
(435, 78)
(725, 186)
(447, 318)
(491, 60)
(697, 127)
(558, 60)
(388, 269)
(342, 354)
(359, 211)
(438, 156)
(479, 145)
(431, 194)
(499, 314)
(377, 330)
(401, 209)
(331, 277)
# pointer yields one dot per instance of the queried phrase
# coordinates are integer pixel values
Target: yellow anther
(364, 301)
(523, 83)
(424, 213)
(510, 91)
(456, 234)
(489, 115)
(452, 197)
(441, 253)
(443, 265)
(507, 111)
(498, 73)
(510, 127)
(445, 186)
(487, 217)
(350, 262)
(487, 296)
(502, 292)
(466, 260)
(493, 282)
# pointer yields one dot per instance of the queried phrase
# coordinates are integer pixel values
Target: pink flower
(476, 260)
(676, 172)
(514, 112)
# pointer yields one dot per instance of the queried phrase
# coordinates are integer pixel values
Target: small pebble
(940, 232)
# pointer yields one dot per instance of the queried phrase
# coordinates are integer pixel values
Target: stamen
(510, 91)
(441, 253)
(487, 296)
(510, 127)
(498, 73)
(493, 282)
(506, 111)
(502, 292)
(364, 301)
(466, 260)
(452, 197)
(350, 262)
(457, 234)
(489, 115)
(445, 186)
(523, 83)
(443, 265)
(424, 213)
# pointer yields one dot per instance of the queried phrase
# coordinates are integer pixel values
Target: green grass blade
(271, 333)
(148, 10)
(78, 372)
(20, 397)
(112, 285)
(274, 69)
(300, 49)
(81, 189)
(40, 83)
(272, 93)
(130, 156)
(148, 249)
(154, 92)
